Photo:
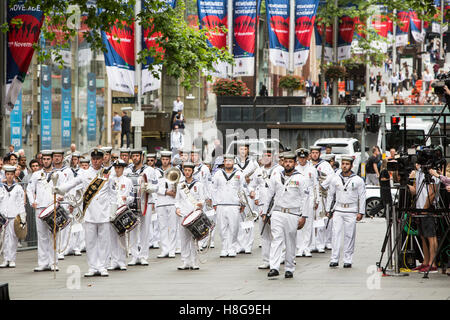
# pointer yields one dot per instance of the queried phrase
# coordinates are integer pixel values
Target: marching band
(117, 206)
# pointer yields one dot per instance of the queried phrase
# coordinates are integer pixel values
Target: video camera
(403, 163)
(427, 157)
(442, 81)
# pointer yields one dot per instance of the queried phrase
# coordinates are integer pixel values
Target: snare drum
(62, 217)
(125, 221)
(198, 223)
(3, 221)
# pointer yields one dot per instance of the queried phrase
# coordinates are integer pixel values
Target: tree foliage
(182, 50)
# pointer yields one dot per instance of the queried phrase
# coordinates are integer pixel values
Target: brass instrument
(173, 176)
(75, 201)
(250, 215)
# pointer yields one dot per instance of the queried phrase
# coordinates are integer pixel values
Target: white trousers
(305, 235)
(246, 237)
(266, 239)
(154, 235)
(228, 218)
(98, 245)
(168, 229)
(45, 242)
(118, 248)
(343, 223)
(139, 237)
(284, 231)
(11, 242)
(188, 248)
(74, 240)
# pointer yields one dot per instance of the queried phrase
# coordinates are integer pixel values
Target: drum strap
(93, 188)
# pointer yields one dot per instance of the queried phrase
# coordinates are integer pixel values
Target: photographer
(426, 189)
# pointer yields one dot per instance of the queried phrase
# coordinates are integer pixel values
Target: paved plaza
(229, 278)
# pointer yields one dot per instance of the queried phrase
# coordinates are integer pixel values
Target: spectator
(218, 150)
(399, 97)
(383, 91)
(326, 100)
(393, 82)
(263, 91)
(28, 125)
(126, 129)
(2, 172)
(372, 81)
(414, 78)
(39, 158)
(13, 159)
(176, 140)
(34, 166)
(401, 79)
(392, 153)
(415, 93)
(178, 105)
(372, 173)
(328, 149)
(425, 199)
(116, 127)
(11, 148)
(201, 144)
(178, 120)
(436, 69)
(379, 78)
(427, 78)
(23, 164)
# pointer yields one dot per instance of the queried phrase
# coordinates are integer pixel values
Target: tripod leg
(386, 239)
(425, 275)
(396, 241)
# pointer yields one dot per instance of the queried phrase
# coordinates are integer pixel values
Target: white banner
(120, 79)
(244, 67)
(149, 81)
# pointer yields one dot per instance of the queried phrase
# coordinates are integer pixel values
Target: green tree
(183, 51)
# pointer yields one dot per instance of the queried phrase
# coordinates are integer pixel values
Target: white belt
(347, 205)
(293, 211)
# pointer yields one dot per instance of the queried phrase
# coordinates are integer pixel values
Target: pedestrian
(393, 82)
(414, 79)
(201, 144)
(379, 78)
(372, 173)
(179, 120)
(326, 100)
(28, 125)
(372, 81)
(116, 129)
(350, 193)
(263, 91)
(427, 78)
(178, 105)
(383, 91)
(126, 129)
(176, 140)
(218, 150)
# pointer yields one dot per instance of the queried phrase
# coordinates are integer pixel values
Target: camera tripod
(406, 211)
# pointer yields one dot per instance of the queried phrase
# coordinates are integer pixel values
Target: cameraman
(426, 196)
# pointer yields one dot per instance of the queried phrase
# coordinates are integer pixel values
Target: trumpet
(250, 215)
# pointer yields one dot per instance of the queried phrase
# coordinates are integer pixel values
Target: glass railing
(312, 114)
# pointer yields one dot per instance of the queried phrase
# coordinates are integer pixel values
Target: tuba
(250, 214)
(173, 176)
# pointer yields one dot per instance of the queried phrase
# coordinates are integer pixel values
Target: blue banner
(245, 15)
(278, 25)
(46, 107)
(91, 108)
(66, 109)
(305, 16)
(16, 123)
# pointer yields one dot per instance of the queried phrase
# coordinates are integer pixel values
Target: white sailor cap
(76, 154)
(188, 164)
(195, 150)
(124, 150)
(329, 157)
(319, 148)
(85, 160)
(151, 155)
(218, 161)
(166, 153)
(136, 151)
(57, 151)
(47, 152)
(107, 149)
(348, 158)
(9, 168)
(289, 155)
(120, 163)
(228, 156)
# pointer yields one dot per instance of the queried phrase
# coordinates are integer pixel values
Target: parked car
(343, 147)
(373, 201)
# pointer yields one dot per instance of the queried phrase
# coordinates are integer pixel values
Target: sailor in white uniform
(305, 235)
(190, 197)
(290, 191)
(350, 191)
(11, 204)
(226, 183)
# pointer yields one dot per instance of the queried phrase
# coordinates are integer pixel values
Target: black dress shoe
(347, 265)
(288, 274)
(333, 264)
(273, 273)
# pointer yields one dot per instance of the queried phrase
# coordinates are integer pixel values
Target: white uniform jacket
(225, 187)
(12, 200)
(99, 208)
(39, 189)
(350, 194)
(182, 200)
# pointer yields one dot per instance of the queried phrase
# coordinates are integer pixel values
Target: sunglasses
(114, 157)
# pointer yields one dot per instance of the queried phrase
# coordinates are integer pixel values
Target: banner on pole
(119, 58)
(46, 107)
(212, 16)
(305, 16)
(416, 27)
(402, 30)
(16, 123)
(278, 25)
(66, 108)
(91, 107)
(245, 15)
(20, 39)
(345, 37)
